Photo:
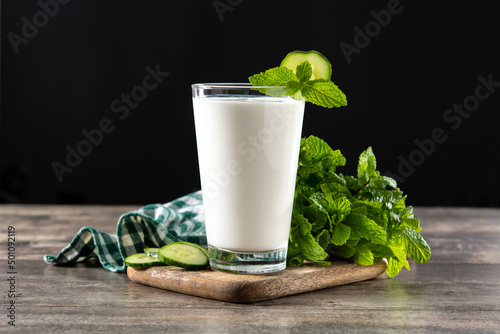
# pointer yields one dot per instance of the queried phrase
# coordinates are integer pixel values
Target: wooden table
(458, 291)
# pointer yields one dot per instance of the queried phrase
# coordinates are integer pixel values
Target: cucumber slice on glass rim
(183, 254)
(141, 260)
(321, 67)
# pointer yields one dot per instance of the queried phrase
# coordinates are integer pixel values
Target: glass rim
(231, 85)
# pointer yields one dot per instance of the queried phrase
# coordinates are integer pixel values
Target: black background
(399, 82)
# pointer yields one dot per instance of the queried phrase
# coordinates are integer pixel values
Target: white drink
(248, 153)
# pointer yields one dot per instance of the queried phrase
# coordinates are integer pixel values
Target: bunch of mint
(362, 219)
(297, 84)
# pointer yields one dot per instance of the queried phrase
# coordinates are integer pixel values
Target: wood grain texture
(457, 291)
(252, 288)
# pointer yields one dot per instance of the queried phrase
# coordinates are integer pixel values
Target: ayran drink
(248, 145)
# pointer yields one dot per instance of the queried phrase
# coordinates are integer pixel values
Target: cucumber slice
(183, 254)
(141, 260)
(203, 249)
(321, 67)
(151, 252)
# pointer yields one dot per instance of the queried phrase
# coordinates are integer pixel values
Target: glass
(248, 145)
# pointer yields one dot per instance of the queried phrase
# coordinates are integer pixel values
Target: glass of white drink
(248, 145)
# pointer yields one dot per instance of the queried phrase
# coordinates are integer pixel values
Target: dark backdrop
(422, 80)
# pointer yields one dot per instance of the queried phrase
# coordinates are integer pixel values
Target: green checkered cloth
(154, 225)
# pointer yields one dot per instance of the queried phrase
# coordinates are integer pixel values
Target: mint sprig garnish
(297, 84)
(360, 218)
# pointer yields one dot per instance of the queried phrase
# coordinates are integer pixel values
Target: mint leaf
(317, 217)
(323, 93)
(412, 223)
(277, 76)
(311, 249)
(381, 251)
(339, 209)
(300, 234)
(393, 267)
(383, 195)
(293, 87)
(303, 71)
(363, 227)
(363, 255)
(323, 239)
(319, 151)
(415, 246)
(400, 254)
(384, 181)
(366, 166)
(335, 189)
(296, 260)
(345, 251)
(340, 234)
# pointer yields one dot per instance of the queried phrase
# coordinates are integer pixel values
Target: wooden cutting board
(252, 288)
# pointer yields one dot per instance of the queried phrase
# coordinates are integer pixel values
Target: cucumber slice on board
(321, 67)
(203, 249)
(149, 251)
(183, 254)
(141, 260)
